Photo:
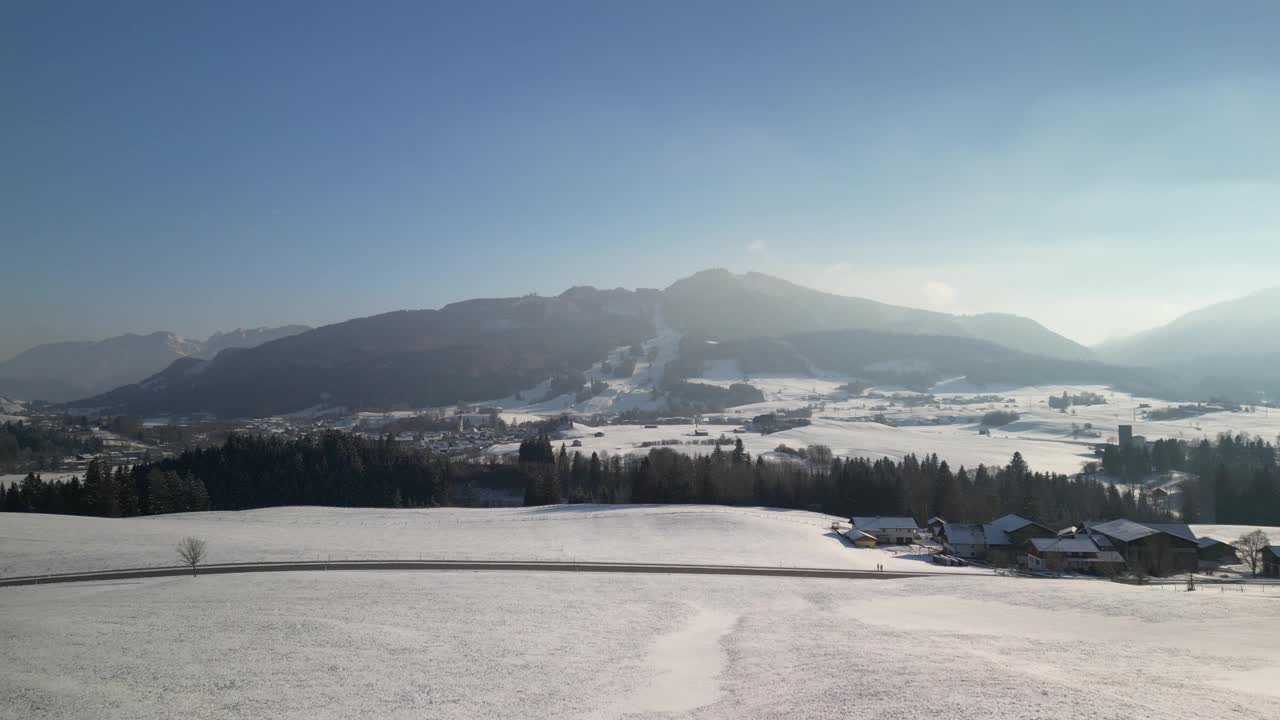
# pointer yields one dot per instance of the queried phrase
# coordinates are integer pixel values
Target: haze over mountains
(490, 348)
(486, 349)
(68, 370)
(1230, 348)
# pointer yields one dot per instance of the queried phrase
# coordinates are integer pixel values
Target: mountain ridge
(485, 348)
(71, 369)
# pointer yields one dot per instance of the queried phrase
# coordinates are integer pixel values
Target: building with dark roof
(1214, 552)
(1153, 548)
(1271, 562)
(888, 530)
(1079, 553)
(1000, 542)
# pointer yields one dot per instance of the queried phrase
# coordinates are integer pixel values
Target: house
(860, 538)
(935, 525)
(1000, 542)
(1214, 552)
(888, 530)
(964, 540)
(1153, 548)
(1271, 562)
(1074, 552)
(576, 443)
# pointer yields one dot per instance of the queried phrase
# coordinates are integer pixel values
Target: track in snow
(535, 566)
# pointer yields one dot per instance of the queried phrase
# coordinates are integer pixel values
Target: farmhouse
(999, 542)
(1154, 548)
(888, 530)
(860, 538)
(1215, 552)
(1271, 561)
(1078, 553)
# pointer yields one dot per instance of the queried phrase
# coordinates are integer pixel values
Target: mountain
(1229, 350)
(721, 305)
(1246, 327)
(67, 370)
(488, 348)
(467, 351)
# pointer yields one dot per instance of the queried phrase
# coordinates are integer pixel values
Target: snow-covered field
(17, 478)
(957, 444)
(527, 645)
(32, 544)
(1230, 533)
(1049, 439)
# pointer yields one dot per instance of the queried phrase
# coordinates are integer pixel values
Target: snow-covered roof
(973, 534)
(1128, 530)
(856, 534)
(996, 535)
(884, 523)
(961, 533)
(1181, 530)
(1011, 523)
(1078, 544)
(1123, 530)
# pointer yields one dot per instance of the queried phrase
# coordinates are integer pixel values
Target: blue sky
(1101, 167)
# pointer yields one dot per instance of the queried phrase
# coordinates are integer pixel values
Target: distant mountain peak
(65, 371)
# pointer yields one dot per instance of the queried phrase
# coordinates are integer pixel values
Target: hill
(467, 351)
(491, 348)
(1245, 327)
(1229, 349)
(494, 644)
(722, 305)
(67, 370)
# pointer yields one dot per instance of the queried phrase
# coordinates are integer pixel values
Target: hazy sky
(1100, 167)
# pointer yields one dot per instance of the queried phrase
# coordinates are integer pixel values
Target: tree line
(342, 469)
(24, 445)
(1232, 480)
(921, 487)
(142, 489)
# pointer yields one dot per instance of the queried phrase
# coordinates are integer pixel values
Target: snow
(498, 645)
(32, 544)
(1231, 533)
(957, 444)
(17, 478)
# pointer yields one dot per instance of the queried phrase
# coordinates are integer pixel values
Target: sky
(1100, 167)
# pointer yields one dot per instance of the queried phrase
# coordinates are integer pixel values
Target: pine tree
(159, 498)
(127, 498)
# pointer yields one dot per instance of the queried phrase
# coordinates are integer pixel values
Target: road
(473, 565)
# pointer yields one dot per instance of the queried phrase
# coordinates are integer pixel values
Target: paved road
(531, 566)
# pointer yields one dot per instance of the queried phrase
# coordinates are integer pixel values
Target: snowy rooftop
(1181, 530)
(1064, 545)
(1011, 523)
(975, 534)
(1128, 530)
(884, 523)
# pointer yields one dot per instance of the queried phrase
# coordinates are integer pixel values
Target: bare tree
(192, 551)
(1252, 547)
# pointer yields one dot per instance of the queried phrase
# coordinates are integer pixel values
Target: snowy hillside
(34, 544)
(457, 646)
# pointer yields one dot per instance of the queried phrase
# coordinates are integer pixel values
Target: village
(1113, 549)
